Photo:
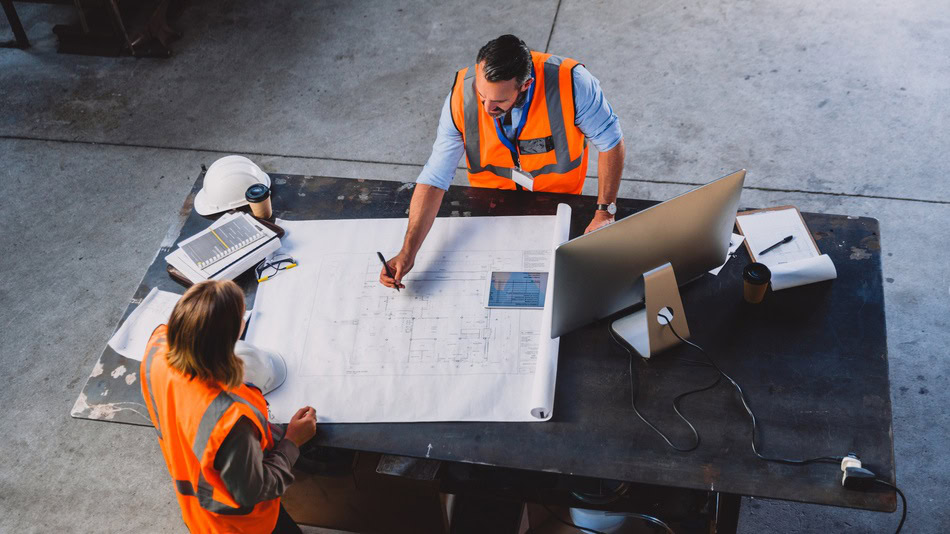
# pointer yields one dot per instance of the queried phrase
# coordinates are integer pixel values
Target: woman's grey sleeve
(249, 475)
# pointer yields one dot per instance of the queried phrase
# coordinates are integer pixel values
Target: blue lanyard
(524, 117)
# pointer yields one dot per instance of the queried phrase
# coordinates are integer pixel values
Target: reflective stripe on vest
(215, 411)
(555, 113)
(473, 147)
(209, 420)
(205, 497)
(148, 378)
(552, 93)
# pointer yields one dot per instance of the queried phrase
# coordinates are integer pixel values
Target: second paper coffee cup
(755, 280)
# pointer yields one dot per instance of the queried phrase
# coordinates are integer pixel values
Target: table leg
(16, 26)
(117, 21)
(727, 513)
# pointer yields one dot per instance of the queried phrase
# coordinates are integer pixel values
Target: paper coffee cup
(755, 280)
(258, 198)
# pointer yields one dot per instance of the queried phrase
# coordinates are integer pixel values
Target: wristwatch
(611, 208)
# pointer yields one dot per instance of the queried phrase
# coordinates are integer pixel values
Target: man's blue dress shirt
(592, 114)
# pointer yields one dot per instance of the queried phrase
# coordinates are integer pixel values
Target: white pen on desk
(782, 242)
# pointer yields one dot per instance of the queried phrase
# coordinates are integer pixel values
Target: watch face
(611, 208)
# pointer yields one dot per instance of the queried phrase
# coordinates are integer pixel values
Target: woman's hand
(302, 426)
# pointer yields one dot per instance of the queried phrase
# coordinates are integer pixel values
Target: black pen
(389, 272)
(782, 242)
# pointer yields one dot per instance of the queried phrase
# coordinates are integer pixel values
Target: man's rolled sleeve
(447, 151)
(593, 114)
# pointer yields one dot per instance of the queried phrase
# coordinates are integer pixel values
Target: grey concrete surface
(291, 80)
(833, 107)
(816, 96)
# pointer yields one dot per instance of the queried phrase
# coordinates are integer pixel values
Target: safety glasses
(269, 268)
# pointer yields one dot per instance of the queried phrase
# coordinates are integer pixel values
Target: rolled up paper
(545, 370)
(802, 272)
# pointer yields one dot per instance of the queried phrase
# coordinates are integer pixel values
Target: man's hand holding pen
(395, 269)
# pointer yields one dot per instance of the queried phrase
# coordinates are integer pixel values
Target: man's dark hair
(506, 58)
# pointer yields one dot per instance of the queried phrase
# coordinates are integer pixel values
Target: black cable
(692, 362)
(903, 501)
(634, 392)
(748, 409)
(742, 397)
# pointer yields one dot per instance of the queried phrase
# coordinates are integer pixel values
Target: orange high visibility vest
(551, 148)
(192, 419)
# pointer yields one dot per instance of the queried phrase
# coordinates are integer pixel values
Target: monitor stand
(644, 329)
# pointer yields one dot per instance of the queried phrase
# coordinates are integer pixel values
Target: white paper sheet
(132, 337)
(734, 243)
(793, 264)
(360, 352)
(765, 228)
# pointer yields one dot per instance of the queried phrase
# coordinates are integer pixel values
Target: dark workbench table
(812, 360)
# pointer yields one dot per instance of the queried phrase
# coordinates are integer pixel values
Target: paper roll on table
(801, 272)
(545, 375)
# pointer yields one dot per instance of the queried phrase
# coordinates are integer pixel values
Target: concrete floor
(834, 107)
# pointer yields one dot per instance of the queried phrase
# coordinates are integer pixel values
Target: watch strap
(607, 208)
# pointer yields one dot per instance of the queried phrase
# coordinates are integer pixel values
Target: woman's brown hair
(202, 331)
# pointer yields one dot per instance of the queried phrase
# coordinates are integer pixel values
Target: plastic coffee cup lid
(257, 193)
(757, 273)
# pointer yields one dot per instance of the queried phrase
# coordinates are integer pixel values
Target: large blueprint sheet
(359, 352)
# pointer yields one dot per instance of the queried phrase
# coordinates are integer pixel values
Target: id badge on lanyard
(519, 176)
(522, 178)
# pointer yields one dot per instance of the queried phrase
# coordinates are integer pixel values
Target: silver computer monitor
(599, 273)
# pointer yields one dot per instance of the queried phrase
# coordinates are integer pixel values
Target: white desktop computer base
(644, 329)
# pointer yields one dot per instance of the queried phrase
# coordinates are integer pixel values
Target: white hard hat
(264, 369)
(226, 182)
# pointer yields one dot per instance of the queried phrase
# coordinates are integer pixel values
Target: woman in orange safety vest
(228, 464)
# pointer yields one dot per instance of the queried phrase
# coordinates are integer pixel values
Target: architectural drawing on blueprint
(360, 352)
(437, 325)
